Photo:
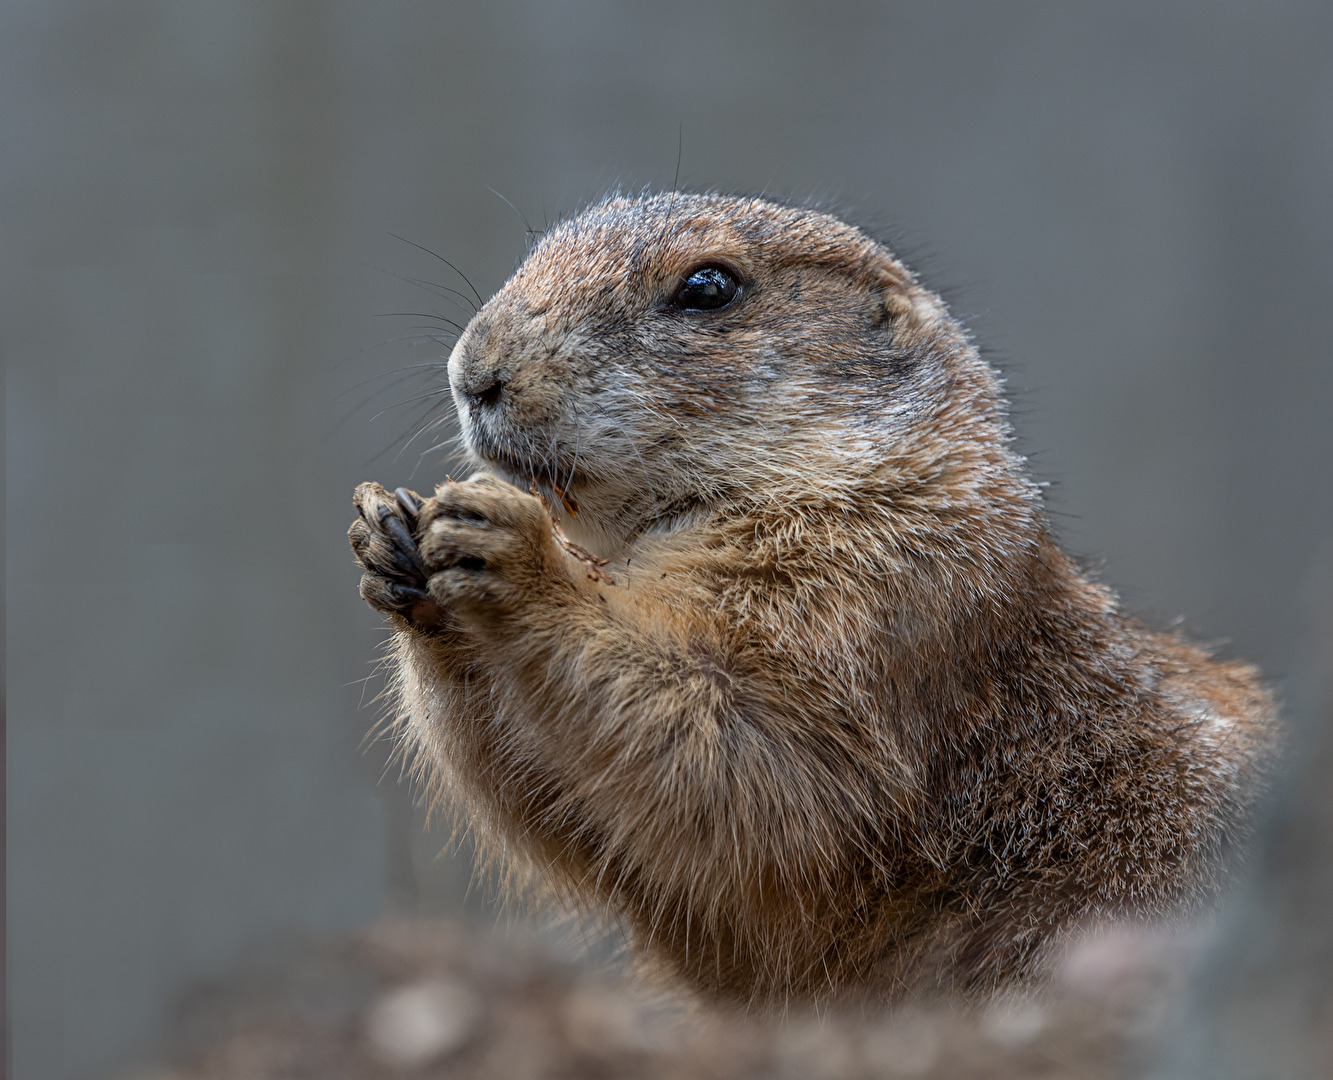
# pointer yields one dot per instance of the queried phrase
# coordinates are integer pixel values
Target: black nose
(487, 397)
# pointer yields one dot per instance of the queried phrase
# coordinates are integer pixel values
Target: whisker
(422, 282)
(397, 378)
(675, 184)
(451, 266)
(423, 427)
(450, 459)
(550, 465)
(409, 401)
(442, 338)
(526, 223)
(417, 425)
(412, 371)
(453, 324)
(455, 455)
(416, 315)
(577, 431)
(442, 291)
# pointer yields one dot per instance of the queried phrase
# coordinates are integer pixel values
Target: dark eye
(706, 289)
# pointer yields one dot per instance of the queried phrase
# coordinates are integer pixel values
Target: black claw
(404, 595)
(406, 546)
(402, 568)
(408, 503)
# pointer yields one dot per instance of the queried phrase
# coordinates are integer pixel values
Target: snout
(476, 378)
(510, 398)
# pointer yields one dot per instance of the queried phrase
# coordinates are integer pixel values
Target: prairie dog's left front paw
(488, 546)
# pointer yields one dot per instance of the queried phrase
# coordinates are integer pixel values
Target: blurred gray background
(1131, 203)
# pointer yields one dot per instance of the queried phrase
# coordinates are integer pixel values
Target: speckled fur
(845, 720)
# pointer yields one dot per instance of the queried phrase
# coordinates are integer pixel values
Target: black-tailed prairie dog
(751, 631)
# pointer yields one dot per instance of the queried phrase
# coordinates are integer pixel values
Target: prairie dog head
(654, 356)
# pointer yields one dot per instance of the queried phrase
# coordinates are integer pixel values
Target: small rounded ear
(898, 305)
(898, 293)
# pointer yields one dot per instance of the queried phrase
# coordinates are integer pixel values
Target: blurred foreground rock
(444, 999)
(1262, 1000)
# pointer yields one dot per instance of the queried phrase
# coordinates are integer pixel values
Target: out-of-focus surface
(426, 999)
(1130, 204)
(1261, 1000)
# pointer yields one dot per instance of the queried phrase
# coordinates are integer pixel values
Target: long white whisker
(577, 430)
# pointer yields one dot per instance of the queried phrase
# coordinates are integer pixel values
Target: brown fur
(838, 717)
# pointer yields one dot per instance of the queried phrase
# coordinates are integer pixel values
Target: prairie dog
(751, 630)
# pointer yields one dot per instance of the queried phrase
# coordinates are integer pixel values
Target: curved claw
(405, 595)
(408, 502)
(406, 546)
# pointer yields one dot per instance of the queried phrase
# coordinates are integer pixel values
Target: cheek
(540, 392)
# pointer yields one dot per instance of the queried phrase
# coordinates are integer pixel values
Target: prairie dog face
(652, 355)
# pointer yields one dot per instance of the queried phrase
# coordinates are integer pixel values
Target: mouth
(549, 477)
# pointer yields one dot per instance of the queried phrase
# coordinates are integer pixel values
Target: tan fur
(838, 718)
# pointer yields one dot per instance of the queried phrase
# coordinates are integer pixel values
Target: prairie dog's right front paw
(383, 542)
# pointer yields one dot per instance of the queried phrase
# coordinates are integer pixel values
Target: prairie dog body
(780, 663)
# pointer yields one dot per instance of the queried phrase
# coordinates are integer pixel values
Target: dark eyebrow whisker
(447, 263)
